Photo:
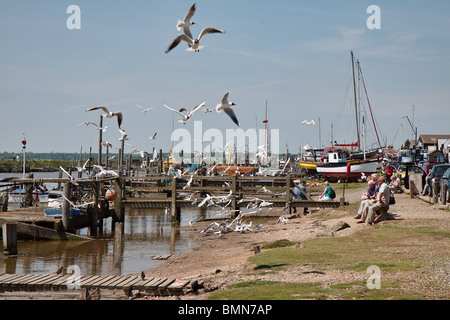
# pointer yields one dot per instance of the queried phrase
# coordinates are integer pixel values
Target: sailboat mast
(356, 101)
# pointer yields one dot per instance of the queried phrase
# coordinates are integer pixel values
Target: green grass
(391, 247)
(276, 290)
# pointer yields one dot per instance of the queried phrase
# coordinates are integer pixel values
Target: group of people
(377, 197)
(300, 193)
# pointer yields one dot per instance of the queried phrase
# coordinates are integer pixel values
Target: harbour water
(147, 233)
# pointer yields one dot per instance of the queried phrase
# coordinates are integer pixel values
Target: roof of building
(432, 138)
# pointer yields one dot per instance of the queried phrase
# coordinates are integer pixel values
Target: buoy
(111, 195)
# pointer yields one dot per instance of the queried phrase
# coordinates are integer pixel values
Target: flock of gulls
(193, 45)
(225, 105)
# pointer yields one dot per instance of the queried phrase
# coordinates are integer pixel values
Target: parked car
(446, 179)
(436, 174)
(404, 171)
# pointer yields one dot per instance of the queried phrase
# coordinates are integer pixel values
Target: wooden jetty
(90, 287)
(152, 191)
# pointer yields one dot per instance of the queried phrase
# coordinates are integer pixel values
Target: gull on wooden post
(226, 107)
(194, 44)
(109, 114)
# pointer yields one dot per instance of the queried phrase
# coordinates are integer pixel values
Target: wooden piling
(9, 238)
(444, 188)
(288, 192)
(118, 209)
(94, 209)
(67, 192)
(176, 216)
(3, 202)
(435, 192)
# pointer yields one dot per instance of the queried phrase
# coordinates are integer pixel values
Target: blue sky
(293, 54)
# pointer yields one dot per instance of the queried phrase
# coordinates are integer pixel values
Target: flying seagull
(153, 137)
(88, 123)
(123, 135)
(186, 23)
(189, 114)
(309, 122)
(144, 110)
(109, 114)
(194, 44)
(226, 107)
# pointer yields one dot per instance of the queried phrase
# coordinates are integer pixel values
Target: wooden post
(100, 140)
(118, 248)
(444, 188)
(119, 212)
(411, 189)
(288, 193)
(9, 239)
(3, 202)
(94, 211)
(234, 190)
(176, 216)
(435, 192)
(67, 192)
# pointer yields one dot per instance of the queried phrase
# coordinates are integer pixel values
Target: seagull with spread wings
(194, 44)
(109, 114)
(189, 114)
(226, 107)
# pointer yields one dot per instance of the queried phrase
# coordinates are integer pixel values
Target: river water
(147, 233)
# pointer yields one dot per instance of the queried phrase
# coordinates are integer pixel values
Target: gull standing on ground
(187, 116)
(194, 44)
(109, 114)
(226, 107)
(186, 23)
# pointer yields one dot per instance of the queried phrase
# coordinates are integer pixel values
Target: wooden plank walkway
(104, 286)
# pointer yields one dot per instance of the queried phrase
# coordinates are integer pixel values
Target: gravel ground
(222, 261)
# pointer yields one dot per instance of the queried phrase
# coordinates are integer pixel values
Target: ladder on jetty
(55, 286)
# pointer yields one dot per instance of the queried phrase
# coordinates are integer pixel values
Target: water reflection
(146, 233)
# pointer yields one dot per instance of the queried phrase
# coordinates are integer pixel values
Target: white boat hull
(348, 170)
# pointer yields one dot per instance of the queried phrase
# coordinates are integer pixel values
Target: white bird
(83, 168)
(153, 137)
(105, 128)
(226, 107)
(189, 114)
(188, 184)
(194, 44)
(109, 114)
(123, 136)
(207, 110)
(186, 23)
(104, 173)
(107, 144)
(309, 122)
(88, 123)
(72, 179)
(144, 110)
(282, 220)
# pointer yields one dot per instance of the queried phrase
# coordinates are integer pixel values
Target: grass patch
(278, 244)
(276, 290)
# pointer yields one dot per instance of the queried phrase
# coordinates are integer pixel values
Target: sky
(292, 55)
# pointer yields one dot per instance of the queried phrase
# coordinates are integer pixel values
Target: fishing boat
(337, 164)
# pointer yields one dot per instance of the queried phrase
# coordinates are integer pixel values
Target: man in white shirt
(381, 201)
